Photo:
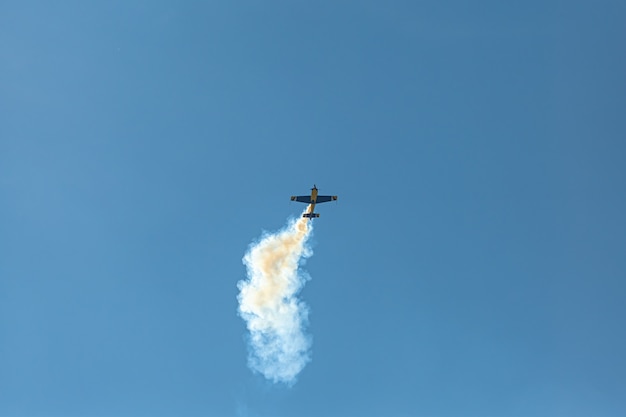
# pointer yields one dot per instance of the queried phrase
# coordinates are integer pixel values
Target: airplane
(312, 200)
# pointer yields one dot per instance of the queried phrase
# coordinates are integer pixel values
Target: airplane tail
(311, 215)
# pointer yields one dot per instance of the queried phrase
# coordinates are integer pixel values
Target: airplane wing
(325, 198)
(302, 198)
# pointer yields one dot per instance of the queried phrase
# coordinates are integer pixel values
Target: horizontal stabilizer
(311, 215)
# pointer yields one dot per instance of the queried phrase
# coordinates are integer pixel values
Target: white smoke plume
(279, 348)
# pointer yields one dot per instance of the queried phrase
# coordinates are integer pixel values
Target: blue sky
(473, 265)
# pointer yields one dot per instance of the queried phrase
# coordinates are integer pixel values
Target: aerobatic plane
(313, 199)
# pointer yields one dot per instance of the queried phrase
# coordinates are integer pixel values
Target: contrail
(278, 346)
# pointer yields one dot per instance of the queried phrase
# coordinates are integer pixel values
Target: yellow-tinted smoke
(279, 347)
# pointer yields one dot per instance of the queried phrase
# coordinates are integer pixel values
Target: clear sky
(473, 265)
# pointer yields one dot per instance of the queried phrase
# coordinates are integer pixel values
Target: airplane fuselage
(313, 198)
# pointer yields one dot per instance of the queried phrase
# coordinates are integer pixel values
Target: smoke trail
(268, 302)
